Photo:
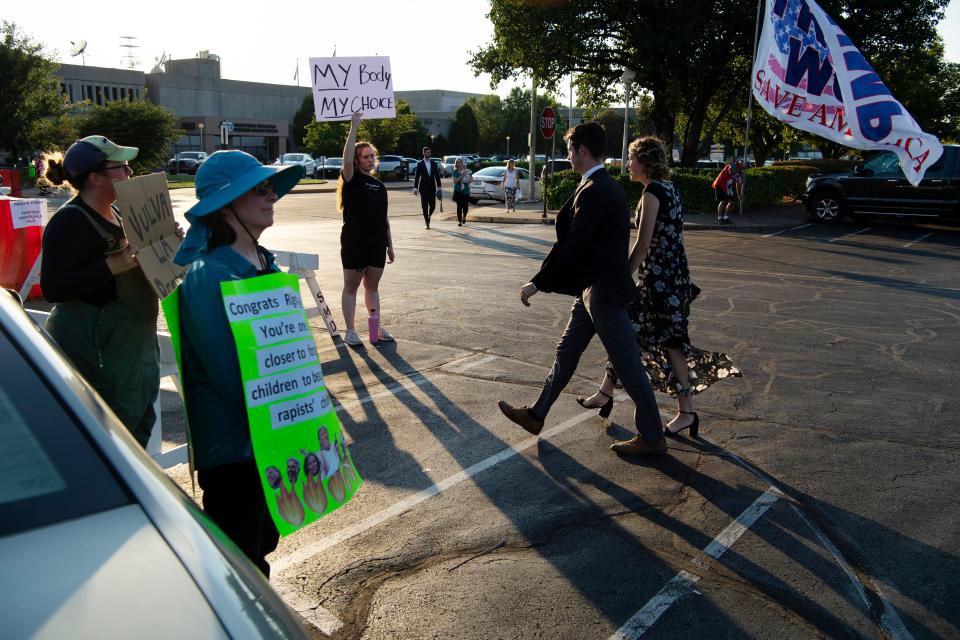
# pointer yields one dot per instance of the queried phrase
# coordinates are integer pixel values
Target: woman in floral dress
(665, 292)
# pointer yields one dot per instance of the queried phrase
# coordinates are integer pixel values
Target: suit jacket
(427, 183)
(593, 239)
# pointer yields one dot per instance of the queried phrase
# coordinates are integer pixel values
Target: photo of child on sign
(344, 86)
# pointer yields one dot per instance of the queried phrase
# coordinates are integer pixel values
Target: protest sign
(344, 86)
(146, 213)
(306, 470)
(28, 213)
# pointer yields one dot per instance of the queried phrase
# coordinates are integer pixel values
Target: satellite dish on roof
(77, 49)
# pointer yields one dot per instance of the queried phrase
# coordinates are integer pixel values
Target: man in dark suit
(589, 261)
(426, 182)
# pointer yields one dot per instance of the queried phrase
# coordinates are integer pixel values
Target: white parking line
(803, 226)
(681, 584)
(920, 239)
(847, 235)
(309, 551)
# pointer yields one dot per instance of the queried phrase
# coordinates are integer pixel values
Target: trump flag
(809, 74)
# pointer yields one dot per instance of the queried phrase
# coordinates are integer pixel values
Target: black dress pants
(233, 498)
(428, 201)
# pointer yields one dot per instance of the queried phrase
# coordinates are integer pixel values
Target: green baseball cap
(84, 155)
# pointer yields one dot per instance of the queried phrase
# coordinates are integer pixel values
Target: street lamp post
(627, 78)
(508, 147)
(200, 126)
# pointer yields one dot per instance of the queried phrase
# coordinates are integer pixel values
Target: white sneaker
(352, 339)
(385, 335)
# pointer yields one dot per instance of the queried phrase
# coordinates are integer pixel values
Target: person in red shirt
(728, 187)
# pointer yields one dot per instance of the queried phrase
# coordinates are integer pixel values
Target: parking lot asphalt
(819, 501)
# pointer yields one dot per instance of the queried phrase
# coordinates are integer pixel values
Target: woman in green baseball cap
(236, 198)
(105, 318)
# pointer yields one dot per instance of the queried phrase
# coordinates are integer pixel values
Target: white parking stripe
(847, 235)
(472, 364)
(920, 239)
(309, 551)
(680, 584)
(803, 226)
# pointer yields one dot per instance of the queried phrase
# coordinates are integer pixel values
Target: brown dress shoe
(636, 446)
(522, 417)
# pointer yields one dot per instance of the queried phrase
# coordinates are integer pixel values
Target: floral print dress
(662, 308)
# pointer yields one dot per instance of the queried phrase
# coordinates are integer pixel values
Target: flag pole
(746, 137)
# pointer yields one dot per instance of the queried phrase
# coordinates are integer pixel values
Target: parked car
(446, 165)
(391, 165)
(331, 168)
(878, 188)
(486, 184)
(411, 166)
(96, 541)
(303, 159)
(717, 165)
(186, 162)
(500, 158)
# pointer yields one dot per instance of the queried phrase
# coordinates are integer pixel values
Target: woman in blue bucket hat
(236, 197)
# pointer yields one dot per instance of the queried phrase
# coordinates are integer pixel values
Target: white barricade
(302, 264)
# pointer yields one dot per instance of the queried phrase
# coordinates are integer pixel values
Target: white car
(391, 165)
(96, 541)
(487, 185)
(303, 159)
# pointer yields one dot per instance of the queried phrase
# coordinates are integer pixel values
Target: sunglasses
(264, 188)
(123, 165)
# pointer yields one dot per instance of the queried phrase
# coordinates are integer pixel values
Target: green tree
(489, 113)
(465, 130)
(137, 124)
(303, 117)
(325, 138)
(29, 92)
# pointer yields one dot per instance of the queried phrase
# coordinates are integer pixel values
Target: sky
(429, 44)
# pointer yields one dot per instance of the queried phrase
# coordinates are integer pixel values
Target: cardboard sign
(147, 216)
(344, 86)
(28, 213)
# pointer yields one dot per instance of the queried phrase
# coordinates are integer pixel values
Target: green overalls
(115, 346)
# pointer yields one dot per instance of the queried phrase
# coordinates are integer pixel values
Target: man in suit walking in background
(426, 182)
(589, 261)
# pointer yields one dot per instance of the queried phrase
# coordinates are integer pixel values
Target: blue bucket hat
(221, 179)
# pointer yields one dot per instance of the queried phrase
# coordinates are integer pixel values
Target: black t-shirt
(74, 260)
(365, 210)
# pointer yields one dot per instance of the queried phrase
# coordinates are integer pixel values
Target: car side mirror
(862, 171)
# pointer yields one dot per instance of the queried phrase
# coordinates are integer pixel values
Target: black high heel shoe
(693, 426)
(604, 409)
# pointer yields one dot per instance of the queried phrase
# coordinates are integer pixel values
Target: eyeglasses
(264, 188)
(123, 165)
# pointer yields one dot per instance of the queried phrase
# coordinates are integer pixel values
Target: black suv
(878, 188)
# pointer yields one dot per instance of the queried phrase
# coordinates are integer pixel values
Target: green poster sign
(305, 467)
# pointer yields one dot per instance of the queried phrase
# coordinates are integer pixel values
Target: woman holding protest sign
(236, 198)
(365, 240)
(105, 313)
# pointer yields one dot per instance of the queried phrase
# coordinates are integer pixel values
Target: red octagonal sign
(548, 122)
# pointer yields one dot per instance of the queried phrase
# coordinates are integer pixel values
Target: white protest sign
(28, 213)
(147, 216)
(343, 86)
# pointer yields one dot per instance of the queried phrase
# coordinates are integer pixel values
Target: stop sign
(548, 122)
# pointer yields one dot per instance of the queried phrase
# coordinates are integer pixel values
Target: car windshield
(334, 162)
(48, 470)
(292, 157)
(191, 155)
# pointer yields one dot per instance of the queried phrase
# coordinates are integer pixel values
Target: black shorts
(358, 256)
(725, 196)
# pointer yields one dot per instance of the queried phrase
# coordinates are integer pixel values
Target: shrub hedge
(766, 186)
